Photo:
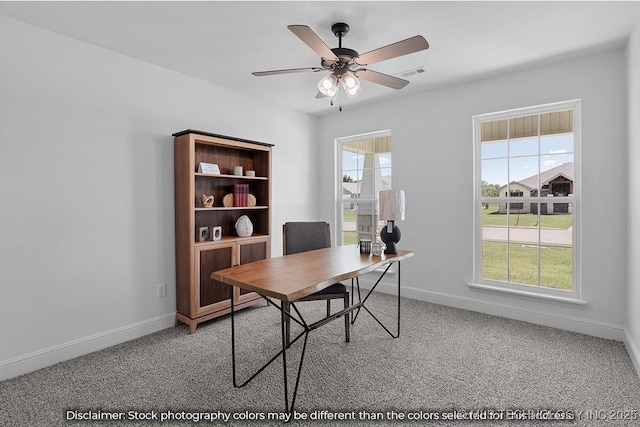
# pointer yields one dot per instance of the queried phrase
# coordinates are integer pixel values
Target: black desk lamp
(391, 209)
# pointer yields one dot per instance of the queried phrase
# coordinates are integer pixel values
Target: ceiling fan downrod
(340, 29)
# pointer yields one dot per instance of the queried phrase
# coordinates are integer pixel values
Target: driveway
(528, 235)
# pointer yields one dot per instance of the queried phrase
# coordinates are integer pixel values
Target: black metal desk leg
(285, 343)
(233, 343)
(398, 300)
(363, 302)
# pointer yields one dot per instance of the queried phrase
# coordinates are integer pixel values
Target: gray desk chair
(307, 236)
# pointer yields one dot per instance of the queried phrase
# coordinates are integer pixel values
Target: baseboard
(52, 355)
(634, 351)
(553, 320)
(59, 353)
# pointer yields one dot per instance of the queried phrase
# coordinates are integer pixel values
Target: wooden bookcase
(198, 297)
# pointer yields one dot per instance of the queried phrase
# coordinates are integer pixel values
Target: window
(364, 169)
(527, 200)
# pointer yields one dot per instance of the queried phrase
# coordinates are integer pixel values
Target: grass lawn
(349, 214)
(491, 216)
(520, 263)
(555, 264)
(349, 237)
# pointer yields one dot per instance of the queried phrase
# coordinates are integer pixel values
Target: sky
(353, 163)
(517, 159)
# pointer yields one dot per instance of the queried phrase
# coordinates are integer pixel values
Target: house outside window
(364, 169)
(526, 210)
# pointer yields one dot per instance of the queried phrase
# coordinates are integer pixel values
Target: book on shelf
(241, 195)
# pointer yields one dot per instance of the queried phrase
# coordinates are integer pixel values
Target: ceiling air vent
(412, 73)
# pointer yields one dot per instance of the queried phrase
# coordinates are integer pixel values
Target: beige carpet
(447, 363)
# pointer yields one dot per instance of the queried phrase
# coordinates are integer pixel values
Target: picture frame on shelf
(203, 234)
(208, 168)
(216, 233)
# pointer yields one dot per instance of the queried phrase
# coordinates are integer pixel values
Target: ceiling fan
(346, 65)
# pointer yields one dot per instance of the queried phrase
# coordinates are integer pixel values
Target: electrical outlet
(162, 290)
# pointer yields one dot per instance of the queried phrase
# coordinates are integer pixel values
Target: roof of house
(350, 187)
(353, 188)
(565, 169)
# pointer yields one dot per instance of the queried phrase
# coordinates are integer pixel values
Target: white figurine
(244, 226)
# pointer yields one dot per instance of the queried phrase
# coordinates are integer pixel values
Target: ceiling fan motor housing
(345, 56)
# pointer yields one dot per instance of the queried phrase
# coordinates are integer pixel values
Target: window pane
(493, 149)
(523, 173)
(556, 240)
(554, 160)
(494, 237)
(384, 159)
(557, 176)
(350, 176)
(522, 219)
(491, 216)
(385, 176)
(367, 220)
(525, 126)
(556, 144)
(494, 260)
(523, 263)
(494, 177)
(523, 147)
(523, 243)
(556, 270)
(351, 160)
(349, 235)
(556, 122)
(558, 224)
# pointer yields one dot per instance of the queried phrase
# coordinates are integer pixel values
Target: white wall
(433, 159)
(86, 189)
(633, 292)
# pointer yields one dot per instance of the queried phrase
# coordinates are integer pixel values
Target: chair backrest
(305, 236)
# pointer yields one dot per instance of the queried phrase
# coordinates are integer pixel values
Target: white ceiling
(223, 42)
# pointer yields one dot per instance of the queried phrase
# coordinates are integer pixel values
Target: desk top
(291, 277)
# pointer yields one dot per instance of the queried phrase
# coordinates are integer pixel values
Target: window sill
(549, 297)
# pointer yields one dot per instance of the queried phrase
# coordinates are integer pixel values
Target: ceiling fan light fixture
(350, 84)
(328, 86)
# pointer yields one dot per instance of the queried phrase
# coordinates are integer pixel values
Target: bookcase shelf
(230, 208)
(238, 177)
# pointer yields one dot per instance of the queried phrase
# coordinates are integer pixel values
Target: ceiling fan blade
(404, 47)
(287, 71)
(312, 40)
(381, 79)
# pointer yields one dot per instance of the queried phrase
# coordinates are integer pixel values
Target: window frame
(338, 229)
(575, 294)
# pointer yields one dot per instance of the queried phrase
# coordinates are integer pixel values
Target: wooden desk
(289, 278)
